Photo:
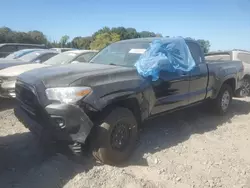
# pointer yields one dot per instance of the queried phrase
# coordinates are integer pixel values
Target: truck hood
(5, 63)
(19, 69)
(83, 74)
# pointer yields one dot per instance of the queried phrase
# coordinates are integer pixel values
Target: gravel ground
(185, 149)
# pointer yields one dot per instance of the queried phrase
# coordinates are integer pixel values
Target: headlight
(67, 94)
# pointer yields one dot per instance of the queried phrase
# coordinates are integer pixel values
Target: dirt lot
(190, 148)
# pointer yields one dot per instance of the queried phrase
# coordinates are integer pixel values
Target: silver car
(236, 55)
(8, 75)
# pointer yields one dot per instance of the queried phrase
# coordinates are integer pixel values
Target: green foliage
(64, 41)
(145, 34)
(103, 39)
(98, 40)
(82, 42)
(33, 37)
(205, 45)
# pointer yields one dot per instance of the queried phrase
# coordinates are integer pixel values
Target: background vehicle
(8, 48)
(105, 101)
(63, 49)
(8, 75)
(240, 55)
(33, 57)
(20, 53)
(70, 56)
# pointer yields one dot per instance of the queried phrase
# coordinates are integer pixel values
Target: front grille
(26, 96)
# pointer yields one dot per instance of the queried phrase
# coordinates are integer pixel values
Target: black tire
(244, 91)
(217, 103)
(102, 148)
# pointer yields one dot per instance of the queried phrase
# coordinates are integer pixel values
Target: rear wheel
(223, 100)
(115, 138)
(244, 91)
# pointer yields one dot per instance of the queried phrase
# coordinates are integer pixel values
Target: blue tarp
(169, 55)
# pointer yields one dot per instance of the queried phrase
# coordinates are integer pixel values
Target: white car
(60, 50)
(8, 75)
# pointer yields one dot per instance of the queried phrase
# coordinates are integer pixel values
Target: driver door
(172, 91)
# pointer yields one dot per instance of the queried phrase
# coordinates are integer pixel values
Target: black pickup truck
(105, 101)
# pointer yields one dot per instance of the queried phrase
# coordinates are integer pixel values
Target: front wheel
(115, 138)
(223, 100)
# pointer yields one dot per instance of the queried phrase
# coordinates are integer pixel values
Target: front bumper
(7, 89)
(63, 121)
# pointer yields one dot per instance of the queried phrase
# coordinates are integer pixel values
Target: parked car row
(10, 69)
(33, 56)
(9, 48)
(104, 101)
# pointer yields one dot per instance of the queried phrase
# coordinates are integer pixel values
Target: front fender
(145, 98)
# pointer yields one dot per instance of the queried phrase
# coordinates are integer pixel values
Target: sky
(225, 23)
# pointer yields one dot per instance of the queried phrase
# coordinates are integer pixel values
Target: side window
(9, 48)
(244, 57)
(195, 52)
(45, 57)
(85, 57)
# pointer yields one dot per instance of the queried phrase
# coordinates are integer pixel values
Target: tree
(205, 45)
(23, 37)
(132, 33)
(82, 42)
(37, 37)
(101, 31)
(104, 39)
(145, 34)
(158, 35)
(98, 40)
(64, 41)
(6, 35)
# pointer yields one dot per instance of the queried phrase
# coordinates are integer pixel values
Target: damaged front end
(63, 121)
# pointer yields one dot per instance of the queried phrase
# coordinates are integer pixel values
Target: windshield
(19, 53)
(123, 54)
(30, 56)
(62, 58)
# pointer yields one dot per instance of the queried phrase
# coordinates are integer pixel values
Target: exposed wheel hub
(245, 91)
(120, 136)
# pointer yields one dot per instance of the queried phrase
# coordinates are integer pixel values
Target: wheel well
(231, 82)
(133, 105)
(247, 76)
